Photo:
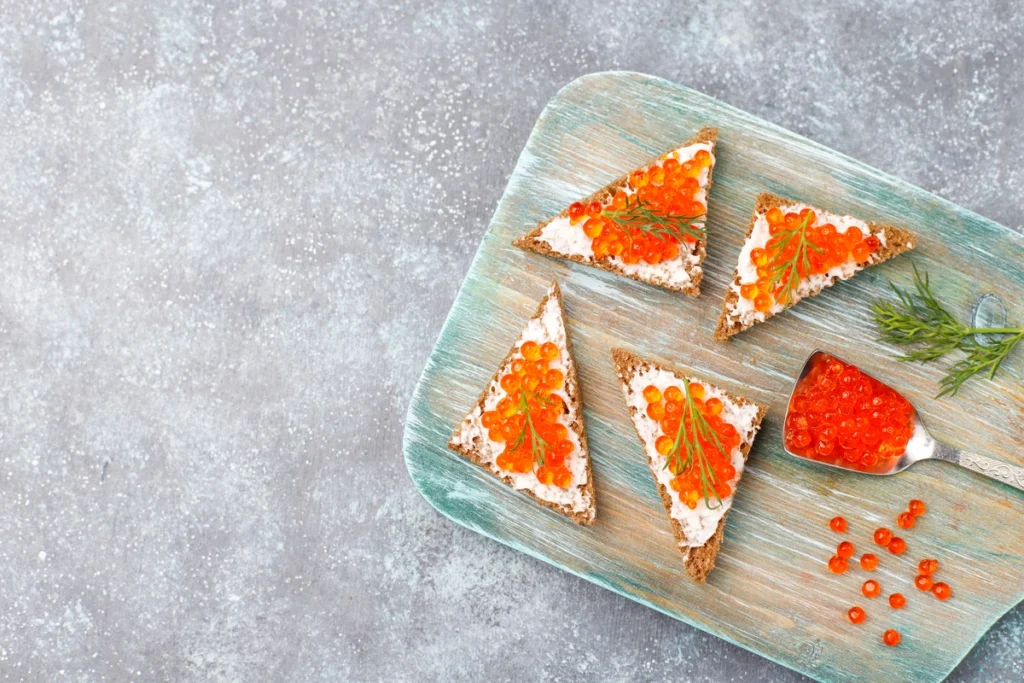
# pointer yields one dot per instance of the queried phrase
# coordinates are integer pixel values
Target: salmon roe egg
(576, 210)
(845, 550)
(905, 520)
(652, 394)
(923, 582)
(838, 524)
(869, 562)
(891, 637)
(928, 566)
(883, 536)
(897, 601)
(941, 591)
(917, 507)
(856, 615)
(897, 545)
(837, 565)
(871, 589)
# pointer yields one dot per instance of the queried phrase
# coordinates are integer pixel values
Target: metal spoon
(922, 446)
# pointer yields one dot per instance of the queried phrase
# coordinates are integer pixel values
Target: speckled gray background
(229, 235)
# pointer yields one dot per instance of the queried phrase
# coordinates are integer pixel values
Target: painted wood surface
(771, 592)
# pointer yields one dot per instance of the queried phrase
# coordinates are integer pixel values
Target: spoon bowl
(921, 446)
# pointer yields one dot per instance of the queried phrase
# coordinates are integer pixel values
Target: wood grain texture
(770, 591)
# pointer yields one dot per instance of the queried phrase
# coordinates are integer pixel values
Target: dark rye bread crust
(700, 560)
(575, 396)
(897, 241)
(531, 241)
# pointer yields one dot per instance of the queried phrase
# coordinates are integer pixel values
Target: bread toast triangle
(560, 237)
(471, 438)
(698, 532)
(739, 314)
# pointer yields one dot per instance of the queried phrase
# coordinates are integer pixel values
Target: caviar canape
(839, 415)
(696, 438)
(527, 426)
(793, 251)
(647, 225)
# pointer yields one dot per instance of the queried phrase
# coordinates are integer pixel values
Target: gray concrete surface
(229, 235)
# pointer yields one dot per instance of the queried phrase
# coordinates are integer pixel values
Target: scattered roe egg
(871, 589)
(897, 601)
(856, 615)
(838, 525)
(694, 478)
(626, 226)
(917, 507)
(845, 550)
(941, 591)
(897, 545)
(923, 582)
(837, 565)
(905, 520)
(841, 416)
(928, 566)
(527, 419)
(891, 637)
(869, 562)
(883, 536)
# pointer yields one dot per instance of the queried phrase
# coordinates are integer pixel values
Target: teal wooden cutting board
(771, 592)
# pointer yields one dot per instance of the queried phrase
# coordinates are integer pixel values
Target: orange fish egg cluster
(842, 416)
(826, 248)
(671, 410)
(526, 420)
(625, 227)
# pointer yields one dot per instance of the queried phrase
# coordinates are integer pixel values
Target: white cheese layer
(566, 239)
(743, 310)
(549, 326)
(699, 524)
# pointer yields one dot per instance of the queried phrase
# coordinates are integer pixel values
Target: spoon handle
(994, 469)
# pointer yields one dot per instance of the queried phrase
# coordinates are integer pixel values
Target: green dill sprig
(688, 441)
(537, 442)
(788, 271)
(918, 321)
(641, 216)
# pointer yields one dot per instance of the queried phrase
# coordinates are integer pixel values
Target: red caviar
(838, 525)
(941, 591)
(857, 615)
(837, 565)
(845, 550)
(928, 566)
(883, 536)
(871, 589)
(827, 248)
(620, 229)
(923, 582)
(891, 637)
(527, 420)
(897, 601)
(897, 545)
(869, 562)
(840, 415)
(917, 507)
(671, 410)
(905, 520)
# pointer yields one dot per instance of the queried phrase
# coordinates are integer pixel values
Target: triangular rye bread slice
(738, 313)
(558, 237)
(471, 439)
(698, 532)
